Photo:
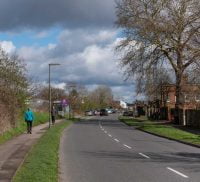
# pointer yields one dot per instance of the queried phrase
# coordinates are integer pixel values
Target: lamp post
(51, 64)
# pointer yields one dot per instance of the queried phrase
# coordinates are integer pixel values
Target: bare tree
(103, 96)
(13, 86)
(160, 33)
(152, 84)
(56, 93)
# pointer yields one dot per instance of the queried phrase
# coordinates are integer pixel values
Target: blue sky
(30, 38)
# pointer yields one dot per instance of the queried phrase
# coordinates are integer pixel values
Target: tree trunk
(178, 94)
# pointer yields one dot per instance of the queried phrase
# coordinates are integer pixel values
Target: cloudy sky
(78, 34)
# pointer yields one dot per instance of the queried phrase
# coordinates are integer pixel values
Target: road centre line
(116, 140)
(110, 135)
(144, 155)
(177, 172)
(105, 132)
(127, 146)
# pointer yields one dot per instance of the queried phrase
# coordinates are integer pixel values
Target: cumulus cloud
(92, 62)
(8, 46)
(46, 13)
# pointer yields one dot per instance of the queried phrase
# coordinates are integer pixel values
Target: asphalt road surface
(103, 149)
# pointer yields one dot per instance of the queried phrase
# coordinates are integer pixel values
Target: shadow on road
(184, 160)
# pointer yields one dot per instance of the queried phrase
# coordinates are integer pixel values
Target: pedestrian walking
(29, 117)
(53, 115)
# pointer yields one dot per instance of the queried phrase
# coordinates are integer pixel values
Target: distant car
(128, 113)
(109, 111)
(103, 112)
(97, 112)
(89, 113)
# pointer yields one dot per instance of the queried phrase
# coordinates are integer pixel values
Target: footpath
(14, 151)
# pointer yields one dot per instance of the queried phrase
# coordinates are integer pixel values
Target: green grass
(40, 118)
(41, 163)
(162, 130)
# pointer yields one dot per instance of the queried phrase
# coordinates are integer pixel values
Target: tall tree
(160, 32)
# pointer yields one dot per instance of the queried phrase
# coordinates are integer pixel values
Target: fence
(193, 118)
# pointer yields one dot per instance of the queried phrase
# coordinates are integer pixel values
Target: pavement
(14, 151)
(103, 149)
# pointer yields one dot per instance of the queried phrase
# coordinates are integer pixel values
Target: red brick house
(190, 97)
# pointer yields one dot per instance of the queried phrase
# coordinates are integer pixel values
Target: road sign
(64, 102)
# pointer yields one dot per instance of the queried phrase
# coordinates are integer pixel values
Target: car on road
(110, 111)
(103, 112)
(89, 113)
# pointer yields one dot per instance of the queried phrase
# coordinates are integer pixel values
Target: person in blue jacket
(29, 117)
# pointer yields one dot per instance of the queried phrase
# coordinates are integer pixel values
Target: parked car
(128, 113)
(97, 112)
(89, 113)
(103, 112)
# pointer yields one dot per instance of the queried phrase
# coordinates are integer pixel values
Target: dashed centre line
(144, 155)
(177, 172)
(116, 140)
(127, 146)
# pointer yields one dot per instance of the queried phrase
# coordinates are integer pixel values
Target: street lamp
(51, 64)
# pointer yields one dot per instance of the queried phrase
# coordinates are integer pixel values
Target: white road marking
(144, 155)
(127, 146)
(116, 140)
(110, 135)
(177, 172)
(105, 131)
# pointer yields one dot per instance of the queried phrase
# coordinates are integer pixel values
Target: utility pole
(52, 64)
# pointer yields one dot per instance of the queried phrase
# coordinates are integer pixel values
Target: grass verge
(162, 130)
(41, 163)
(40, 118)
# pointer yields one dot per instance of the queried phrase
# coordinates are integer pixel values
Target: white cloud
(86, 58)
(8, 46)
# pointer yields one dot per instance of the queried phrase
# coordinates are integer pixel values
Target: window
(197, 98)
(167, 98)
(186, 98)
(189, 97)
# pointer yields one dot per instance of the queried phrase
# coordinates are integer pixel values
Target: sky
(80, 35)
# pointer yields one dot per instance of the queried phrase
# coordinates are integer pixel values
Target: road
(103, 149)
